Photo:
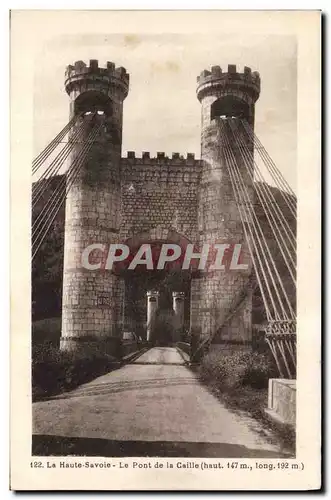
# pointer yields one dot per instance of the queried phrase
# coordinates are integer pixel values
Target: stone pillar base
(282, 401)
(111, 346)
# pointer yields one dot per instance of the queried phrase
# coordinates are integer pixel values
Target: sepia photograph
(163, 248)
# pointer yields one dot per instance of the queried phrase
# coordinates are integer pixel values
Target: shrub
(54, 371)
(46, 330)
(240, 381)
(259, 369)
(230, 371)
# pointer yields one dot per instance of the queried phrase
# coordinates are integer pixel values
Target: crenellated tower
(220, 300)
(93, 299)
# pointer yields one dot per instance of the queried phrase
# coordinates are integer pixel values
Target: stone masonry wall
(92, 300)
(92, 304)
(215, 295)
(159, 194)
(159, 203)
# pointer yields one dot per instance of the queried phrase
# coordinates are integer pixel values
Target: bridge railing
(185, 347)
(130, 346)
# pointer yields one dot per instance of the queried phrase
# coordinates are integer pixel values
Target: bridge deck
(160, 356)
(152, 407)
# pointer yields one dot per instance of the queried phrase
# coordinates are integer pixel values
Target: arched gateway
(157, 300)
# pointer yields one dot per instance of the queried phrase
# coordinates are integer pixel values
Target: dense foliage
(229, 371)
(55, 371)
(47, 266)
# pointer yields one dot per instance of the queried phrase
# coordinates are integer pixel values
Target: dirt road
(154, 406)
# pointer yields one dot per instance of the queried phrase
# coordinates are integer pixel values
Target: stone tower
(220, 300)
(92, 307)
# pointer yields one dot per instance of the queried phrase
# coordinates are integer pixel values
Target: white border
(4, 93)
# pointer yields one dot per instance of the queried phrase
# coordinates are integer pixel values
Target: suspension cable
(44, 182)
(249, 237)
(265, 247)
(70, 178)
(39, 160)
(286, 191)
(243, 202)
(267, 189)
(247, 160)
(259, 233)
(262, 151)
(60, 189)
(79, 160)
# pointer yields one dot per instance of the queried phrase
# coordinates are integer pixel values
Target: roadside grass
(240, 381)
(55, 371)
(46, 330)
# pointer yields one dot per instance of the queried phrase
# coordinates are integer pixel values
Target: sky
(161, 112)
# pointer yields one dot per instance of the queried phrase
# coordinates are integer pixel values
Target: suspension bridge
(235, 192)
(85, 157)
(237, 139)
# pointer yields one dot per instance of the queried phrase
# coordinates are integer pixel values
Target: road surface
(154, 406)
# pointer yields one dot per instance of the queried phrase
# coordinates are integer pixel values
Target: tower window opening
(98, 111)
(93, 102)
(229, 107)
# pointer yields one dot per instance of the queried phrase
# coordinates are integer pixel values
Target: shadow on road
(109, 388)
(46, 445)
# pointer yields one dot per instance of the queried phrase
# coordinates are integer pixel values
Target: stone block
(282, 401)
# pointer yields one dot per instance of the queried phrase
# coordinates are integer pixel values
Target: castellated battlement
(214, 79)
(159, 172)
(145, 158)
(92, 73)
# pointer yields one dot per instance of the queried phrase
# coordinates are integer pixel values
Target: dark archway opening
(230, 107)
(93, 101)
(140, 280)
(137, 284)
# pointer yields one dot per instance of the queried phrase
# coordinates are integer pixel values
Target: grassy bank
(240, 381)
(55, 371)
